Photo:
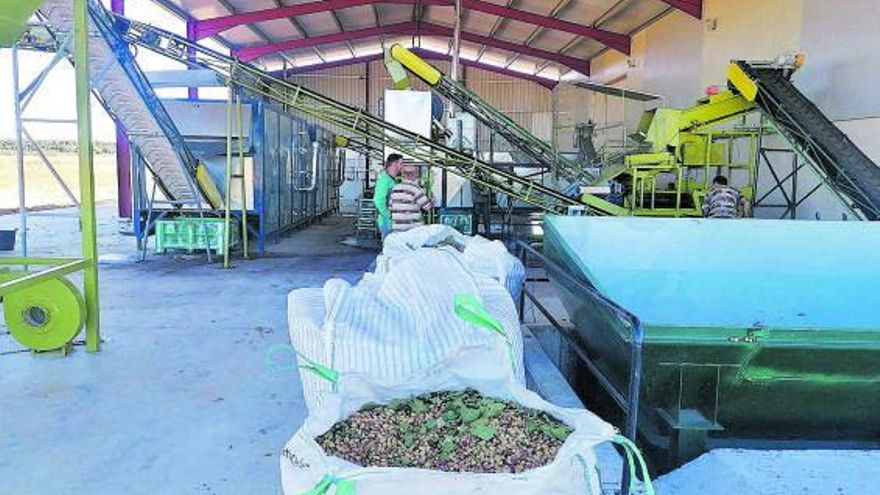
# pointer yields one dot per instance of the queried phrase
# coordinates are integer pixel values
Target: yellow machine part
(416, 65)
(208, 187)
(45, 316)
(714, 110)
(606, 207)
(742, 82)
(399, 76)
(663, 158)
(340, 141)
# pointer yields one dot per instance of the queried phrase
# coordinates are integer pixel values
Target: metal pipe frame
(123, 150)
(86, 174)
(789, 129)
(60, 267)
(19, 155)
(631, 405)
(354, 121)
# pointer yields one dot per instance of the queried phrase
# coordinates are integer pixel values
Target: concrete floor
(188, 394)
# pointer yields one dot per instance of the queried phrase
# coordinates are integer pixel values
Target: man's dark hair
(720, 180)
(393, 157)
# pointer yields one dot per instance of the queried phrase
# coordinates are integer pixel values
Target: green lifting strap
(319, 369)
(14, 17)
(322, 371)
(632, 455)
(343, 486)
(469, 308)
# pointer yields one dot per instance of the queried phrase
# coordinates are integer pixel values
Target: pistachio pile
(457, 431)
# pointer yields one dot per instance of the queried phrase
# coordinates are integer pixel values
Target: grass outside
(41, 188)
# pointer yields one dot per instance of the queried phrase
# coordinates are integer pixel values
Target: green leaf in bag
(482, 430)
(469, 414)
(560, 432)
(418, 406)
(450, 415)
(448, 444)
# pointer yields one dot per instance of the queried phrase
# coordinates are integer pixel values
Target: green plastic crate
(193, 234)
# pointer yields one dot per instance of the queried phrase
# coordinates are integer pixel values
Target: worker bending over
(408, 200)
(723, 201)
(382, 195)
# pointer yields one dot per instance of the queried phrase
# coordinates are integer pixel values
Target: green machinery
(43, 309)
(683, 149)
(667, 177)
(354, 122)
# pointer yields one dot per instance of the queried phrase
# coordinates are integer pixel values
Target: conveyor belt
(127, 95)
(521, 139)
(356, 122)
(845, 166)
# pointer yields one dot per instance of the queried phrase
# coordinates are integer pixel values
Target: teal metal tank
(755, 330)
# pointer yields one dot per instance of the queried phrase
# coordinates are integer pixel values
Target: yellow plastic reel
(45, 316)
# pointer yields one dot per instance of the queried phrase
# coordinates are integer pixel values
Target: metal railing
(627, 400)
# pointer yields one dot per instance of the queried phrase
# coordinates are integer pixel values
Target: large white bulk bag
(481, 256)
(401, 322)
(306, 468)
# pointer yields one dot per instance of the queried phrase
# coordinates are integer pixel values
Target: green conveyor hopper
(755, 330)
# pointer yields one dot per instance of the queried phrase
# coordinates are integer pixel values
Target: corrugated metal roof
(618, 16)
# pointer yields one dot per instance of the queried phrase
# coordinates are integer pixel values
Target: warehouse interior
(647, 226)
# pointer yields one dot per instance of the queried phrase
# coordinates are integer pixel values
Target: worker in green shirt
(384, 183)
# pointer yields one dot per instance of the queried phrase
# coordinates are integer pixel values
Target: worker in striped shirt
(723, 201)
(408, 200)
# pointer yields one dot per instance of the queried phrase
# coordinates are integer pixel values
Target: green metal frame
(354, 122)
(696, 139)
(88, 263)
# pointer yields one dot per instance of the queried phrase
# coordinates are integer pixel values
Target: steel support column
(123, 150)
(86, 173)
(367, 102)
(19, 156)
(456, 41)
(192, 93)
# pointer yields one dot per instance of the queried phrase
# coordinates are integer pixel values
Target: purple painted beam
(411, 29)
(123, 150)
(692, 7)
(542, 81)
(344, 62)
(619, 42)
(573, 63)
(428, 55)
(192, 93)
(210, 27)
(254, 52)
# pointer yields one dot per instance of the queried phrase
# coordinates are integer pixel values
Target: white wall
(679, 56)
